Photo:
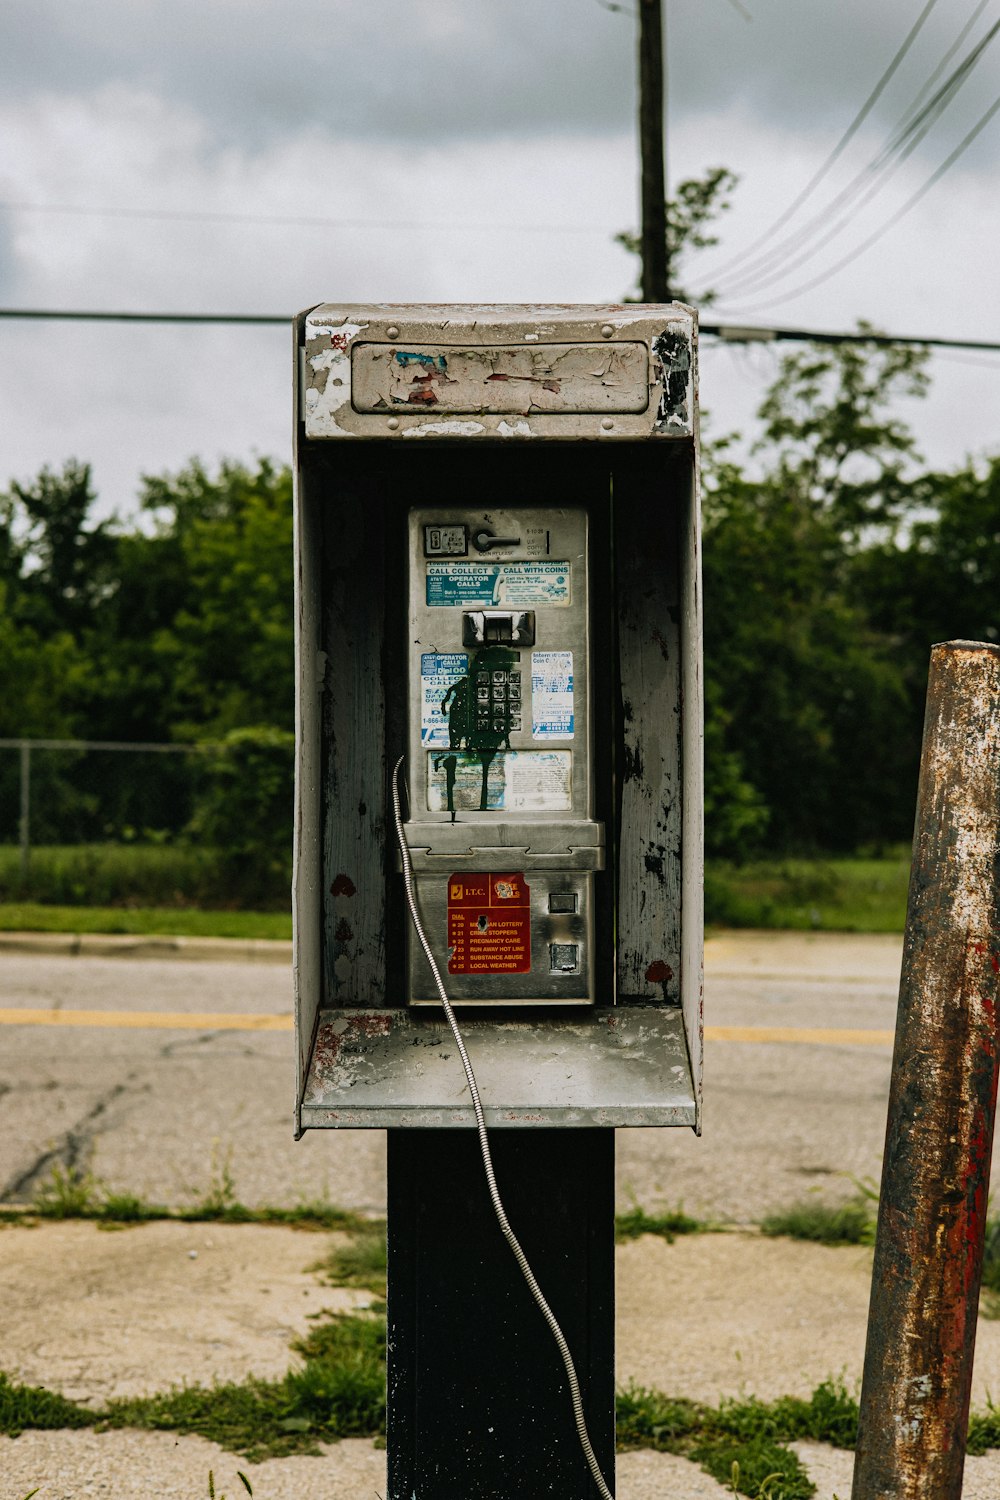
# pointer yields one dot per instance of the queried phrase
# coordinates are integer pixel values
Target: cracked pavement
(166, 1115)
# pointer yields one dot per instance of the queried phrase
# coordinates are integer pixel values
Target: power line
(730, 333)
(745, 333)
(94, 316)
(840, 147)
(946, 59)
(211, 216)
(893, 220)
(775, 264)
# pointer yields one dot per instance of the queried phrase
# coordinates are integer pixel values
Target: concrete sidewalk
(141, 945)
(166, 1303)
(747, 953)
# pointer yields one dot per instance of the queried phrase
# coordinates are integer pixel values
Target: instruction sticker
(440, 675)
(551, 695)
(500, 781)
(489, 924)
(485, 584)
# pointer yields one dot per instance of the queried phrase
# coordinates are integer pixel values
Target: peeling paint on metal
(672, 366)
(444, 429)
(324, 399)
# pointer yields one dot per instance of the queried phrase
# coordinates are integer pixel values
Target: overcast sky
(453, 150)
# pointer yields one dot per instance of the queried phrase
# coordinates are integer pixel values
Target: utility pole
(655, 252)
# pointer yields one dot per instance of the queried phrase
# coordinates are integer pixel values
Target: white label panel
(552, 695)
(515, 781)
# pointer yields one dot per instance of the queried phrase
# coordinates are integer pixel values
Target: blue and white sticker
(441, 674)
(551, 695)
(484, 585)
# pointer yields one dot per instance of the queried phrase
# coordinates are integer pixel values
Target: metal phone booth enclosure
(498, 580)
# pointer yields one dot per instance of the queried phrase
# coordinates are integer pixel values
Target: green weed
(128, 1208)
(850, 1223)
(26, 1407)
(637, 1221)
(742, 1443)
(648, 1419)
(339, 1391)
(73, 1193)
(67, 1193)
(239, 1475)
(755, 1467)
(361, 1262)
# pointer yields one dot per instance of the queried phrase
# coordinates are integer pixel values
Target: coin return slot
(564, 958)
(498, 627)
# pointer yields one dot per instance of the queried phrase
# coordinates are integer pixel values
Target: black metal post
(655, 251)
(478, 1405)
(942, 1103)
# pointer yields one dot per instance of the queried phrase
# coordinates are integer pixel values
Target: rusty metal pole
(942, 1101)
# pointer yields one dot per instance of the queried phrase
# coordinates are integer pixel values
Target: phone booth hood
(497, 514)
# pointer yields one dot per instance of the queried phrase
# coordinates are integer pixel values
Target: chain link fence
(96, 821)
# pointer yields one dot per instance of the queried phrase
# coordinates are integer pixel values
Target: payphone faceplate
(500, 768)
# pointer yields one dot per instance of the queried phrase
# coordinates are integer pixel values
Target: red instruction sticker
(489, 924)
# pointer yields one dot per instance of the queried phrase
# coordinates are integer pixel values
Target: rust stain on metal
(661, 641)
(347, 1035)
(942, 1106)
(343, 885)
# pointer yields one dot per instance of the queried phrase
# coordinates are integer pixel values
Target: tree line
(833, 560)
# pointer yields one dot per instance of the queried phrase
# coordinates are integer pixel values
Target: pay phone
(497, 590)
(497, 586)
(501, 825)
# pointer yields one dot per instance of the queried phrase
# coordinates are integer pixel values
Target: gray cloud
(422, 73)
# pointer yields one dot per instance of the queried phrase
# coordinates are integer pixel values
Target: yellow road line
(183, 1020)
(816, 1035)
(163, 1020)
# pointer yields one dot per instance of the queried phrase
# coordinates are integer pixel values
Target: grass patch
(741, 1443)
(339, 1391)
(823, 894)
(850, 1223)
(637, 1221)
(152, 921)
(75, 1193)
(26, 1407)
(758, 1467)
(130, 875)
(361, 1261)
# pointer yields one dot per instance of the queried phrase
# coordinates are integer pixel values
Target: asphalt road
(170, 1111)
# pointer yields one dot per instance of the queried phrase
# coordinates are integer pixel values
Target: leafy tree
(57, 567)
(689, 213)
(803, 687)
(227, 651)
(832, 435)
(942, 581)
(244, 808)
(801, 690)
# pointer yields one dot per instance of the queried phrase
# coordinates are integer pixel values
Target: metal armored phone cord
(484, 1146)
